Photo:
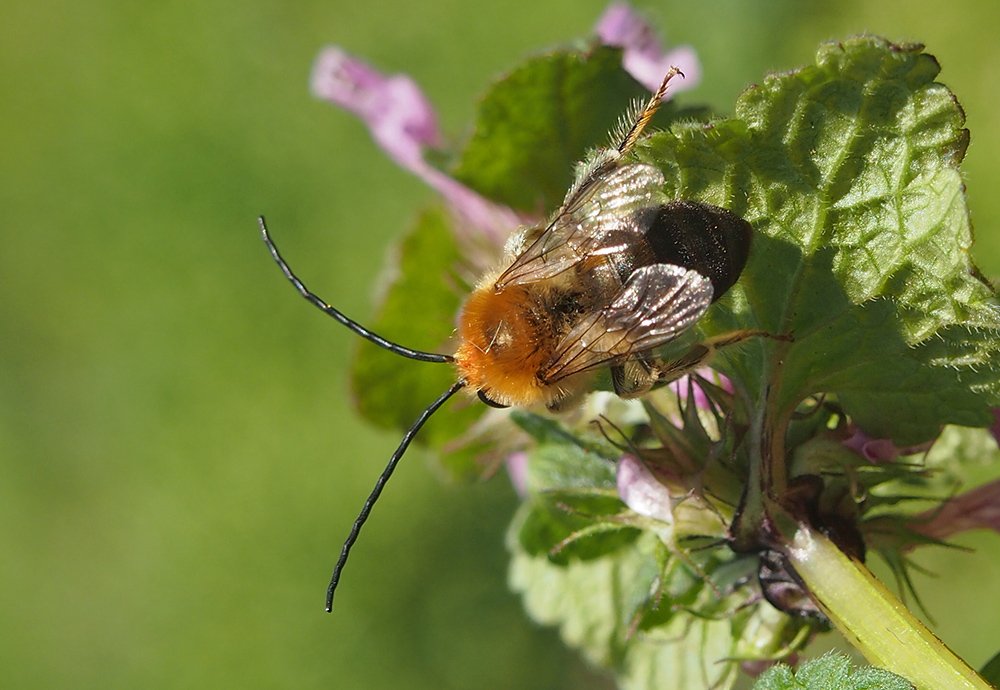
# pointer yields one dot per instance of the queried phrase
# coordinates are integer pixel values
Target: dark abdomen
(708, 239)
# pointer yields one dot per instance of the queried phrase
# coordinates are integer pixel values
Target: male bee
(615, 273)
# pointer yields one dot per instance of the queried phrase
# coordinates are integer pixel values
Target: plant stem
(876, 621)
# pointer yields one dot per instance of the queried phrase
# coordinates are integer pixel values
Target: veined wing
(590, 223)
(657, 304)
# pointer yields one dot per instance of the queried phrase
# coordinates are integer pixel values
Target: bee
(618, 271)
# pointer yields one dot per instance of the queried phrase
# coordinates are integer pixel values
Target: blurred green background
(178, 457)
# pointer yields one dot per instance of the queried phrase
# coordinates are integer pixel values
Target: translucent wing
(657, 304)
(598, 208)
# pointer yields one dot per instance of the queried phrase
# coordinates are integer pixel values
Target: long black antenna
(366, 509)
(331, 311)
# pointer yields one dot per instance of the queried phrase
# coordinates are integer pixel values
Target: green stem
(876, 621)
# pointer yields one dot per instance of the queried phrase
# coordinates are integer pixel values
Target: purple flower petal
(403, 123)
(975, 509)
(641, 491)
(701, 399)
(643, 56)
(879, 450)
(394, 108)
(517, 470)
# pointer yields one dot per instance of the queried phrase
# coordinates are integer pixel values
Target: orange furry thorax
(505, 341)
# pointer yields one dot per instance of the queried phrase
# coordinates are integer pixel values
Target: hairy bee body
(510, 335)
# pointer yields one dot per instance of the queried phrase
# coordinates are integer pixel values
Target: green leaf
(535, 124)
(830, 672)
(848, 171)
(594, 602)
(546, 430)
(419, 310)
(657, 619)
(561, 460)
(552, 529)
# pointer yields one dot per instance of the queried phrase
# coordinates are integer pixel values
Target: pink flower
(403, 123)
(682, 387)
(975, 509)
(517, 470)
(879, 450)
(643, 56)
(396, 111)
(641, 491)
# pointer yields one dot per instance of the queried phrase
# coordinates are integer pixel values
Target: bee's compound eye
(491, 403)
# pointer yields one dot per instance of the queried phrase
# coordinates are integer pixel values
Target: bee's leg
(642, 372)
(700, 354)
(635, 376)
(570, 400)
